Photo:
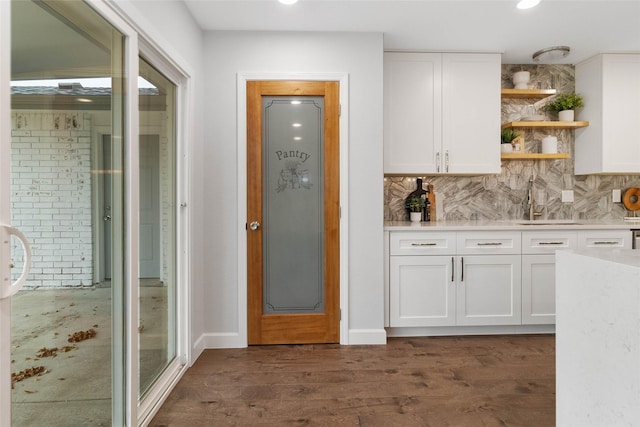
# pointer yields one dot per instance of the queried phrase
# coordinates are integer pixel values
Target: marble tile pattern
(504, 196)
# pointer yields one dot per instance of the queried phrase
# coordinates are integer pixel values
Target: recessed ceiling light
(296, 125)
(551, 53)
(527, 4)
(291, 1)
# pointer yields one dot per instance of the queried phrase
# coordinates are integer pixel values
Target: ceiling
(587, 26)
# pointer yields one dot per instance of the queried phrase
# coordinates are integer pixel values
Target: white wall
(229, 53)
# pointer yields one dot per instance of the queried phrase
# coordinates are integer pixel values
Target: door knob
(107, 218)
(254, 225)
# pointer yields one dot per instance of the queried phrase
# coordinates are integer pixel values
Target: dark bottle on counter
(426, 211)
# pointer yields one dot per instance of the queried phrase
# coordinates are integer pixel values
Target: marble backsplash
(504, 196)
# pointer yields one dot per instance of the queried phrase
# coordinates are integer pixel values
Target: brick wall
(51, 195)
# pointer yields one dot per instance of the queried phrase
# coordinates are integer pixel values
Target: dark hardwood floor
(504, 380)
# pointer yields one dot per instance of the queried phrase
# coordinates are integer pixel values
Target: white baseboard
(233, 340)
(367, 336)
(217, 340)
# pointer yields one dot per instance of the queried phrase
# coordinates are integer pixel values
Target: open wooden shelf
(530, 156)
(527, 93)
(545, 124)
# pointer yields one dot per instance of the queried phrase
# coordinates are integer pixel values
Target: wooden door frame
(241, 338)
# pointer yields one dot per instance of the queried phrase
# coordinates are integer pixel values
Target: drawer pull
(549, 243)
(423, 244)
(490, 244)
(605, 243)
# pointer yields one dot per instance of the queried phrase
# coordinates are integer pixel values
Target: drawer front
(602, 239)
(546, 242)
(422, 243)
(489, 242)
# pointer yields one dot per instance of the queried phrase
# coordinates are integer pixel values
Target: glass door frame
(157, 393)
(127, 408)
(5, 211)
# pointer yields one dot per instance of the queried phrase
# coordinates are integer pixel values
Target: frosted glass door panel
(293, 200)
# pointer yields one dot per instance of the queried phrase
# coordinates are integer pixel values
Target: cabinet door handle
(549, 243)
(452, 270)
(438, 161)
(489, 244)
(446, 160)
(462, 269)
(604, 242)
(424, 244)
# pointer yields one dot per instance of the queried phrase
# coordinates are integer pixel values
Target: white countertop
(629, 257)
(512, 225)
(597, 341)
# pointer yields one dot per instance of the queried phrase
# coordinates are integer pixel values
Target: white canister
(549, 145)
(521, 79)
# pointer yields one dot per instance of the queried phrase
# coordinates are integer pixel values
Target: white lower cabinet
(481, 278)
(488, 290)
(454, 289)
(538, 289)
(539, 273)
(422, 292)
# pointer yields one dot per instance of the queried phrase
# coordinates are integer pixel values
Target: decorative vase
(566, 115)
(506, 148)
(549, 145)
(415, 216)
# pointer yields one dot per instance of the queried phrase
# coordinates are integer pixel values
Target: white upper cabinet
(441, 113)
(610, 85)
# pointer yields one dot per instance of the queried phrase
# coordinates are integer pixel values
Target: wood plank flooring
(504, 380)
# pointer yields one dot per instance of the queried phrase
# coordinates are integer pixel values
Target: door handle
(7, 288)
(107, 218)
(254, 225)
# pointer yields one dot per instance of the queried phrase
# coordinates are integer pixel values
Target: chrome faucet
(532, 213)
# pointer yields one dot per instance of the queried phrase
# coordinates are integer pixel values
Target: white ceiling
(587, 26)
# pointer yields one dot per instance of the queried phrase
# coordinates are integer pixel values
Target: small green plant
(508, 135)
(567, 101)
(415, 203)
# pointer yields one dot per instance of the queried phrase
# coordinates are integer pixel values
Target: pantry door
(293, 212)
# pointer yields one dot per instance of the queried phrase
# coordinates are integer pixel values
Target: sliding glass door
(67, 337)
(157, 343)
(96, 332)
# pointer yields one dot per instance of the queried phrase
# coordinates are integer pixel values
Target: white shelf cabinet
(441, 113)
(610, 85)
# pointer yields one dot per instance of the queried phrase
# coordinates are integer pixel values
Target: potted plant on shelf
(565, 105)
(507, 137)
(415, 204)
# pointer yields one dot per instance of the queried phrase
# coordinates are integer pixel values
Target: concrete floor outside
(75, 388)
